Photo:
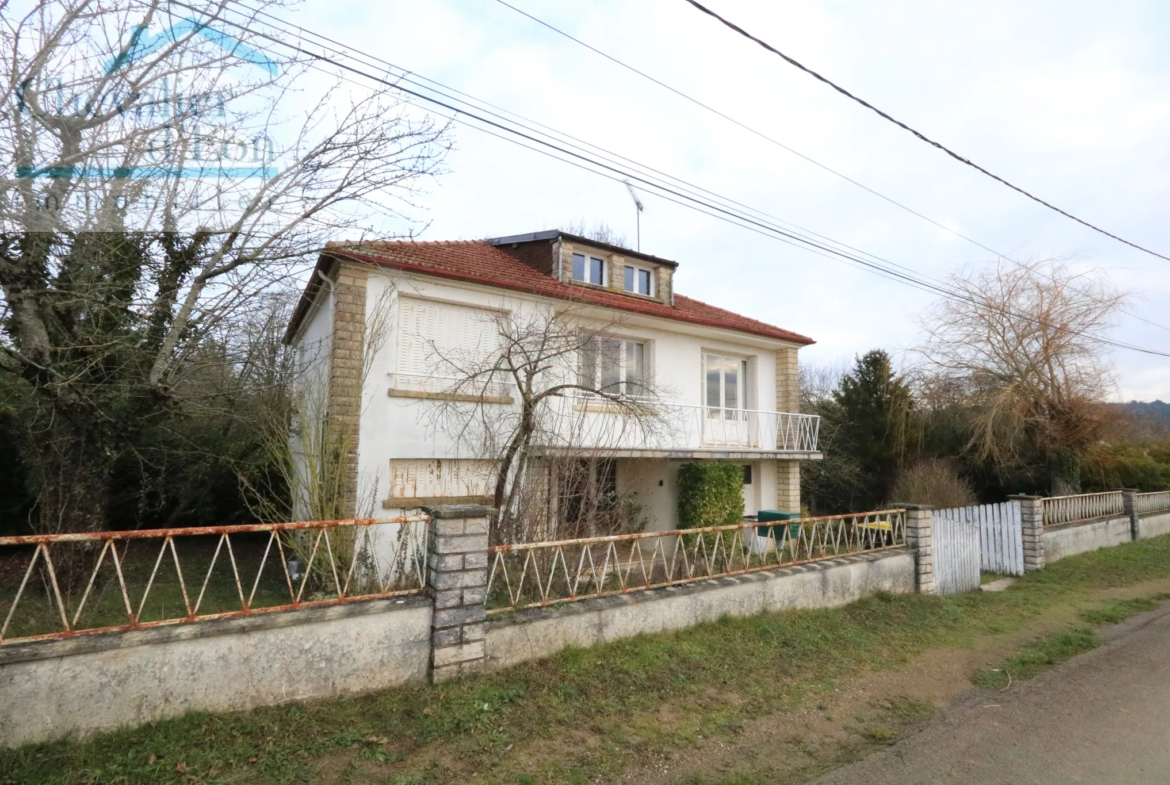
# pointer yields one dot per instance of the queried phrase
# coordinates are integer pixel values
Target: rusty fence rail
(1152, 502)
(1081, 507)
(544, 573)
(62, 585)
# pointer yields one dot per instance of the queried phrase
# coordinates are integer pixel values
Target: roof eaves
(764, 331)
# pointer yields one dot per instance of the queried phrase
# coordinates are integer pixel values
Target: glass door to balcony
(726, 421)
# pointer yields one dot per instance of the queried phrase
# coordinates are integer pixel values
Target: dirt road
(1103, 717)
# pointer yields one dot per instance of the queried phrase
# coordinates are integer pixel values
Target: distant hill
(1151, 410)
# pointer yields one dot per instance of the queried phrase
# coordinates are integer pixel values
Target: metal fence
(543, 573)
(1152, 502)
(62, 585)
(1066, 509)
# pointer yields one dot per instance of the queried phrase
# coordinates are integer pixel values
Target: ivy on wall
(710, 494)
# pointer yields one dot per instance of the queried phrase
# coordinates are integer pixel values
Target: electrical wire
(611, 172)
(785, 147)
(916, 133)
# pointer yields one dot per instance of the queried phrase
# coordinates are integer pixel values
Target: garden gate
(999, 531)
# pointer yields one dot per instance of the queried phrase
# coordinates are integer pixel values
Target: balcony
(633, 428)
(671, 429)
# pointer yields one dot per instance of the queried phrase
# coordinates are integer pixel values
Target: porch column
(457, 572)
(787, 486)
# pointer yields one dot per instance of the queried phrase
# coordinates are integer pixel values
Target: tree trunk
(72, 462)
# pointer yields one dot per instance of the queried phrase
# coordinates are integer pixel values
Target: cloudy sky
(1070, 100)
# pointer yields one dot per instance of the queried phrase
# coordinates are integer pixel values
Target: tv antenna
(639, 205)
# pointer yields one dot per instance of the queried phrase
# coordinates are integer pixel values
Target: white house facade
(379, 324)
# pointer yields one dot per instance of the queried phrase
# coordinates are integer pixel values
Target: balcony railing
(594, 423)
(640, 424)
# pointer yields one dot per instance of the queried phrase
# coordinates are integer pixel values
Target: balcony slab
(707, 454)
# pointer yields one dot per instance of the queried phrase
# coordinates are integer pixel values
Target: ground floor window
(588, 496)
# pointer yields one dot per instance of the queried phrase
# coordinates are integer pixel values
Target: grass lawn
(591, 714)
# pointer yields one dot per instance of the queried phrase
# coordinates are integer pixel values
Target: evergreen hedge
(710, 494)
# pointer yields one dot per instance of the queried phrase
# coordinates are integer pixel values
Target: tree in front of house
(575, 391)
(866, 432)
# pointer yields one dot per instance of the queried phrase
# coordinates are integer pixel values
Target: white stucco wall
(312, 384)
(400, 428)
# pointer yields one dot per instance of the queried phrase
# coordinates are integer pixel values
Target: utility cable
(923, 137)
(617, 174)
(783, 146)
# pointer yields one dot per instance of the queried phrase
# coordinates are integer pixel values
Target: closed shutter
(459, 333)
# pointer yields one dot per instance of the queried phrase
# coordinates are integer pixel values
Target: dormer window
(639, 281)
(588, 269)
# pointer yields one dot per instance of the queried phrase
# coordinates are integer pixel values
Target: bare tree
(162, 172)
(1019, 343)
(548, 396)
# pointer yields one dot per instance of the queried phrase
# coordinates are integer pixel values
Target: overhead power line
(916, 133)
(615, 173)
(783, 146)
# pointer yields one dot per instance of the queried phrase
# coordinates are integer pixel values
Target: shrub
(710, 494)
(934, 482)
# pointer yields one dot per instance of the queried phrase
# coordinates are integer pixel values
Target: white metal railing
(1152, 502)
(580, 420)
(1066, 509)
(594, 423)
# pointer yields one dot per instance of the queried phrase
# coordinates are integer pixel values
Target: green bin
(778, 531)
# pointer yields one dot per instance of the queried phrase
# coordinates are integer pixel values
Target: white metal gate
(1001, 540)
(956, 553)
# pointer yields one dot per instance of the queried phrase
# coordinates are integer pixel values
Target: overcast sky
(1070, 100)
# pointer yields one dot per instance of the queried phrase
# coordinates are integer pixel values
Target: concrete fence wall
(1070, 539)
(539, 632)
(76, 686)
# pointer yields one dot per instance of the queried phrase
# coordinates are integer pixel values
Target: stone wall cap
(451, 511)
(905, 506)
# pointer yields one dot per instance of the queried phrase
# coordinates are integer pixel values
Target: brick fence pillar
(1032, 516)
(1129, 500)
(457, 573)
(920, 539)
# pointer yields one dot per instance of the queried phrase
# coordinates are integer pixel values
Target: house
(379, 323)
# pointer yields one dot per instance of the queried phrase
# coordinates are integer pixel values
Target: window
(747, 474)
(725, 385)
(589, 269)
(432, 334)
(614, 366)
(639, 281)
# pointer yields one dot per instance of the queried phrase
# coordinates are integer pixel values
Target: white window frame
(598, 368)
(588, 256)
(745, 373)
(638, 269)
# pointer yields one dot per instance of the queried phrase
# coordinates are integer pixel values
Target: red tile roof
(481, 262)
